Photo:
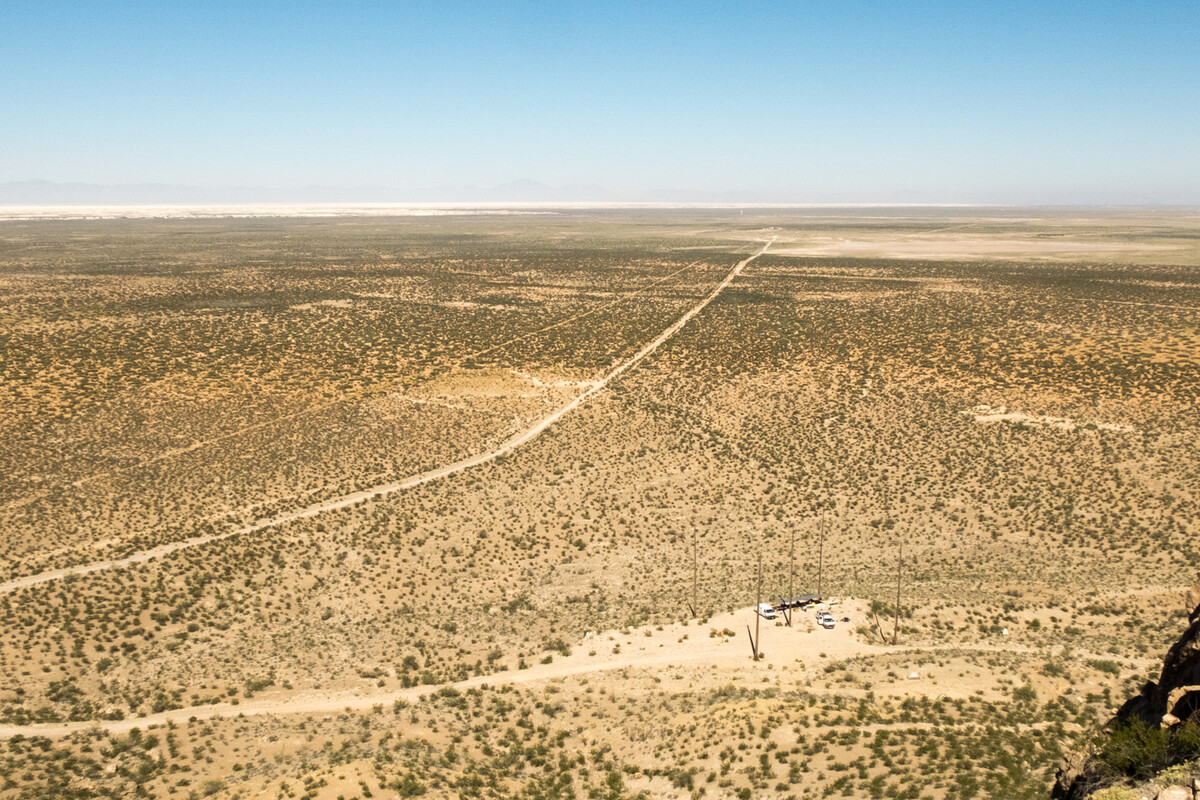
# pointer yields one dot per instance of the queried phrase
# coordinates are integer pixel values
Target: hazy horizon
(48, 194)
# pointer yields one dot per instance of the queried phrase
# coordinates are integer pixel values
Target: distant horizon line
(521, 193)
(417, 203)
(16, 212)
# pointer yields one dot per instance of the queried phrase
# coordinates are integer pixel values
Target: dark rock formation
(1176, 695)
(1170, 701)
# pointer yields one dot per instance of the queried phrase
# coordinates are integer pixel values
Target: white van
(766, 611)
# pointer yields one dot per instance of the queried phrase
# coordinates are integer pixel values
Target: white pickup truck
(825, 620)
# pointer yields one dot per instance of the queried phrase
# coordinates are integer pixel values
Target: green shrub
(1024, 694)
(409, 786)
(1139, 751)
(1102, 665)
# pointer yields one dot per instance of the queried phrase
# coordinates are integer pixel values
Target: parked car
(766, 611)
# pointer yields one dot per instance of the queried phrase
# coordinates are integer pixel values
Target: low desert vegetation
(169, 379)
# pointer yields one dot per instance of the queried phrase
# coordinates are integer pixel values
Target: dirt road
(194, 446)
(675, 647)
(407, 483)
(680, 656)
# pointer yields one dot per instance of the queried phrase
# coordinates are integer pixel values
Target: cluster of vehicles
(803, 603)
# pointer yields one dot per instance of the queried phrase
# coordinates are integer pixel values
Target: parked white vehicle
(766, 611)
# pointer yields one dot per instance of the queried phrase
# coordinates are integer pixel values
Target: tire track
(407, 483)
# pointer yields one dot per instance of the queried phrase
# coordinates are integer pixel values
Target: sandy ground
(957, 246)
(801, 649)
(987, 414)
(390, 209)
(709, 653)
(321, 406)
(407, 483)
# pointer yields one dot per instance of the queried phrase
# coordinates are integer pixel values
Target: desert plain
(479, 504)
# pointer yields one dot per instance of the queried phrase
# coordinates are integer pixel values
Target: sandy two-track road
(679, 647)
(678, 656)
(407, 483)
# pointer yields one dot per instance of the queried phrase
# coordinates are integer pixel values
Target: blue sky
(821, 101)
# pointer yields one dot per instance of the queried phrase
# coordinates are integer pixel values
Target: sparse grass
(163, 379)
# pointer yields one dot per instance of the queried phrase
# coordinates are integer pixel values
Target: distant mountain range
(50, 193)
(39, 192)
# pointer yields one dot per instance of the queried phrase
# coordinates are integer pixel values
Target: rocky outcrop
(1069, 783)
(1175, 697)
(1168, 702)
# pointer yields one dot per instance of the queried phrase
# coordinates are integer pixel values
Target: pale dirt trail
(407, 483)
(665, 651)
(680, 656)
(337, 702)
(178, 451)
